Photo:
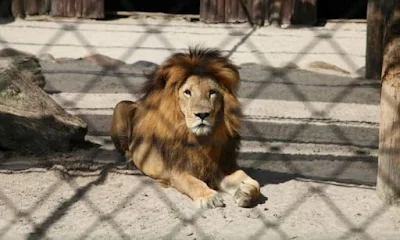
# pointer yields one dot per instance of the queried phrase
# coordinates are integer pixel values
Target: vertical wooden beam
(287, 10)
(70, 8)
(275, 12)
(235, 10)
(57, 8)
(241, 11)
(78, 8)
(374, 51)
(208, 11)
(18, 9)
(249, 11)
(220, 18)
(267, 6)
(245, 11)
(213, 11)
(45, 7)
(388, 179)
(93, 9)
(32, 7)
(203, 10)
(229, 11)
(258, 12)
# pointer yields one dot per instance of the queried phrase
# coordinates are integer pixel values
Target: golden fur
(184, 131)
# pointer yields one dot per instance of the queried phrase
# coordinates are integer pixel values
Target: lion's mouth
(202, 129)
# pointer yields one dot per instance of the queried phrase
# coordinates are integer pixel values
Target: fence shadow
(267, 168)
(283, 137)
(258, 82)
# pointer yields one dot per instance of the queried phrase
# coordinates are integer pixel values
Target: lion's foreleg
(197, 190)
(244, 189)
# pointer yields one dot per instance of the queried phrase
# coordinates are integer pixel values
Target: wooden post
(258, 12)
(78, 8)
(93, 9)
(220, 11)
(209, 11)
(374, 51)
(231, 11)
(274, 17)
(287, 8)
(32, 7)
(18, 9)
(45, 7)
(388, 179)
(57, 8)
(241, 11)
(69, 8)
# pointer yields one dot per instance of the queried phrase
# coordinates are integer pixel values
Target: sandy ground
(115, 205)
(52, 205)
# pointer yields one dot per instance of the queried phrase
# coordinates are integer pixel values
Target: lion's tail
(121, 122)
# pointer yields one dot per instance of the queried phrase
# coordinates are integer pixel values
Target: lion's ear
(157, 79)
(230, 79)
(161, 76)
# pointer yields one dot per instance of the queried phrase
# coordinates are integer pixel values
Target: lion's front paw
(212, 200)
(247, 194)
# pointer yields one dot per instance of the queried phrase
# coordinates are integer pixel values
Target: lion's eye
(187, 93)
(212, 93)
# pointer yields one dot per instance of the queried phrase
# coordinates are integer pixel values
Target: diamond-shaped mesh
(39, 229)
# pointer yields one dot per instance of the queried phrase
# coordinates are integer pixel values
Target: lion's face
(200, 100)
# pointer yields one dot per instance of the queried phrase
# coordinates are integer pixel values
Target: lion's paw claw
(214, 200)
(246, 195)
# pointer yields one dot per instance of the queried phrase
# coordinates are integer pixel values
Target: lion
(184, 130)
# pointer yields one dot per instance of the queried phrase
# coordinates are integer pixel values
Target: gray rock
(65, 60)
(46, 57)
(144, 65)
(29, 67)
(11, 52)
(30, 121)
(27, 64)
(104, 61)
(290, 65)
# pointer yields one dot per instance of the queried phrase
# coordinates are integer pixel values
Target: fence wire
(40, 229)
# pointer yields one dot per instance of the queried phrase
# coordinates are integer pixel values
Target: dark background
(327, 9)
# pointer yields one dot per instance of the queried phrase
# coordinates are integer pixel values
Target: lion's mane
(160, 120)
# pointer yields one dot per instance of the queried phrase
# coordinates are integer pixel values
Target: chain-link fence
(288, 162)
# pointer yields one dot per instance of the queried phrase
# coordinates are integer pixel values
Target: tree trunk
(374, 51)
(388, 180)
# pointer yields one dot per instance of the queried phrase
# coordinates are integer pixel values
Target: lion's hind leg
(121, 122)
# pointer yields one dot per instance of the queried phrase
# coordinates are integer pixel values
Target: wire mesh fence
(354, 230)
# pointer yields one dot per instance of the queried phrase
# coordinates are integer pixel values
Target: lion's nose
(202, 115)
